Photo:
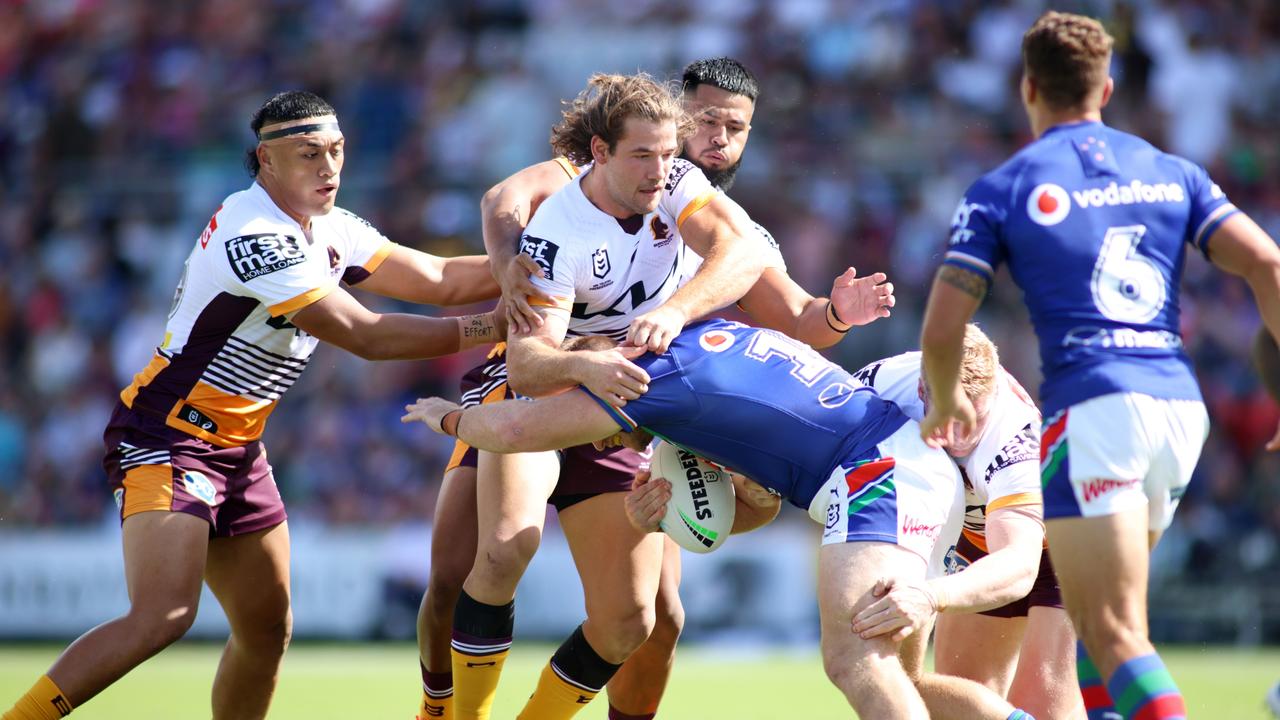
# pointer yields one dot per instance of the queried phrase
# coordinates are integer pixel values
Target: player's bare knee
(507, 556)
(624, 632)
(668, 621)
(158, 628)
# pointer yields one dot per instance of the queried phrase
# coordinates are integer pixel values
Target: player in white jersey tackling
(197, 498)
(1000, 622)
(721, 93)
(610, 246)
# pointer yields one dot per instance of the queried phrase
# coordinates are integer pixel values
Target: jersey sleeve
(686, 192)
(769, 247)
(668, 400)
(1011, 473)
(561, 267)
(367, 248)
(975, 244)
(272, 267)
(1209, 208)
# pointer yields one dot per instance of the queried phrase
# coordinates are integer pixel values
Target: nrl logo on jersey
(600, 262)
(252, 256)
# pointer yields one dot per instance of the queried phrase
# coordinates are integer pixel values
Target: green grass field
(355, 682)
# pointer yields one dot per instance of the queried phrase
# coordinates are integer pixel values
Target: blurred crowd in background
(123, 123)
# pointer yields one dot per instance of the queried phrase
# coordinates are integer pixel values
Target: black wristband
(835, 326)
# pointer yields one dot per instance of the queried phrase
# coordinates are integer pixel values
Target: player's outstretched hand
(902, 608)
(646, 504)
(610, 374)
(656, 329)
(517, 288)
(947, 418)
(430, 411)
(861, 300)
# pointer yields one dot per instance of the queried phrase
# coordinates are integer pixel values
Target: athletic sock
(616, 714)
(1144, 690)
(573, 678)
(481, 641)
(1097, 701)
(44, 701)
(437, 695)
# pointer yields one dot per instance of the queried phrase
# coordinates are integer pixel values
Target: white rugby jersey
(229, 350)
(1004, 468)
(605, 271)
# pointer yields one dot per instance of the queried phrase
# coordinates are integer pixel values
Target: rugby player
(197, 497)
(775, 410)
(1094, 224)
(1000, 622)
(610, 245)
(721, 94)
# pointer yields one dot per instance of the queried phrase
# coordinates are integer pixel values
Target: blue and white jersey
(1094, 224)
(754, 400)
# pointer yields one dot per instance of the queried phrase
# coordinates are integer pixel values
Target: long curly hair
(603, 108)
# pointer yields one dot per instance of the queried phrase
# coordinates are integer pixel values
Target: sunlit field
(381, 681)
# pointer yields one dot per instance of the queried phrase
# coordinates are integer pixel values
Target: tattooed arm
(955, 297)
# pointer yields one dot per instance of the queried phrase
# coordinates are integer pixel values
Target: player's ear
(264, 156)
(599, 149)
(1107, 89)
(1028, 89)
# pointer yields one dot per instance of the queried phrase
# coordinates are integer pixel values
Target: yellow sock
(475, 683)
(436, 708)
(557, 698)
(44, 701)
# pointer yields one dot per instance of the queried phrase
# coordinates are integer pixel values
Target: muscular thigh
(978, 647)
(164, 559)
(846, 574)
(249, 574)
(512, 492)
(619, 566)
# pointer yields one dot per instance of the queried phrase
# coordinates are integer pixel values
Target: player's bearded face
(723, 126)
(304, 170)
(638, 167)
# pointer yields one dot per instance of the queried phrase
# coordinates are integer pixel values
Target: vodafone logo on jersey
(1048, 204)
(716, 341)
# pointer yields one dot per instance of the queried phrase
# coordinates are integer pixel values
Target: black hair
(282, 107)
(722, 72)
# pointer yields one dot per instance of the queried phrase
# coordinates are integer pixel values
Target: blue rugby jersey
(1094, 224)
(758, 402)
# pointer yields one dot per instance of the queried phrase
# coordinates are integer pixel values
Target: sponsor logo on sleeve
(335, 261)
(542, 251)
(600, 262)
(679, 169)
(252, 256)
(1023, 447)
(960, 232)
(1048, 204)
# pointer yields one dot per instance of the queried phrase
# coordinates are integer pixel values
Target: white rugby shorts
(903, 492)
(1121, 451)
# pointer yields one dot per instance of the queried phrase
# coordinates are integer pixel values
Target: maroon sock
(616, 714)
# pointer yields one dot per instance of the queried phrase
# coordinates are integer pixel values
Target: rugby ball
(700, 514)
